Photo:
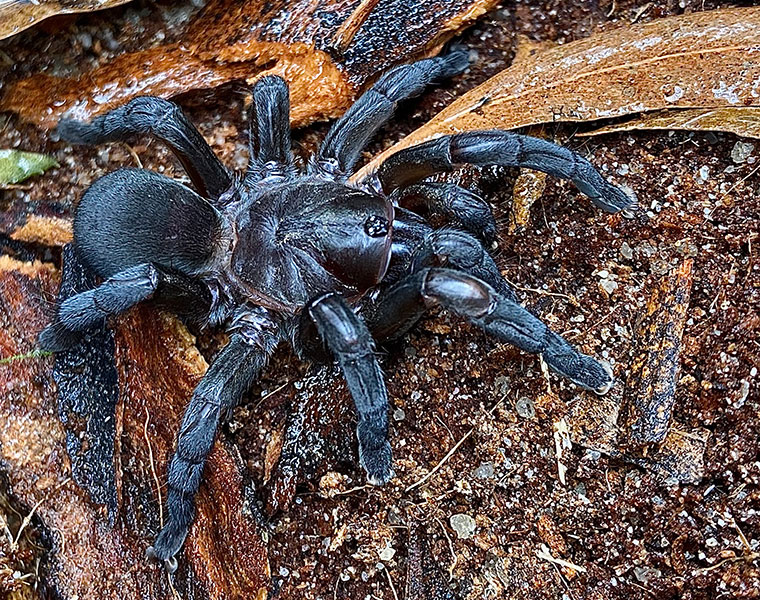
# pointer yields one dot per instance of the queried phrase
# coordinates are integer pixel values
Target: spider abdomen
(132, 216)
(308, 237)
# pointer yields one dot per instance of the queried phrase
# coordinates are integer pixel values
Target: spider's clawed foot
(376, 459)
(170, 564)
(581, 369)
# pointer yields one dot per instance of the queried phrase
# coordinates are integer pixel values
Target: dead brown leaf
(742, 121)
(705, 60)
(326, 61)
(17, 15)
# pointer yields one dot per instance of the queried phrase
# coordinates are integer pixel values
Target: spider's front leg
(350, 134)
(227, 379)
(501, 316)
(495, 147)
(349, 340)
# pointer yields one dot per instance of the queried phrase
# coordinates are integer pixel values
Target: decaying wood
(425, 579)
(17, 15)
(636, 425)
(319, 424)
(158, 367)
(706, 60)
(326, 61)
(653, 374)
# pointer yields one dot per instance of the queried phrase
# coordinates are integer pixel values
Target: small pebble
(484, 471)
(387, 553)
(398, 415)
(608, 285)
(464, 525)
(644, 574)
(702, 175)
(525, 408)
(741, 151)
(626, 251)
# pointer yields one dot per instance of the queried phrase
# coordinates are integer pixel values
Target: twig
(544, 553)
(390, 582)
(572, 300)
(153, 469)
(132, 152)
(353, 489)
(28, 518)
(749, 558)
(453, 565)
(641, 12)
(268, 394)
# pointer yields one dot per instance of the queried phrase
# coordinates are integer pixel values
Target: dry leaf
(158, 367)
(744, 121)
(708, 59)
(17, 15)
(325, 60)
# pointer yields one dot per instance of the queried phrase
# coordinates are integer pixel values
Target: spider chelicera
(303, 255)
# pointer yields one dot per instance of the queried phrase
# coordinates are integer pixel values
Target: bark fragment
(654, 372)
(327, 50)
(158, 368)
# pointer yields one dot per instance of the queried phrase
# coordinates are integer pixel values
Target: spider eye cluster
(376, 226)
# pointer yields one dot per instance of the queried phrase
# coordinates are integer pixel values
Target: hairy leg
(227, 379)
(497, 314)
(164, 120)
(118, 294)
(270, 130)
(461, 207)
(495, 147)
(348, 136)
(352, 346)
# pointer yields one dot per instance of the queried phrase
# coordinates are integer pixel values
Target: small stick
(153, 469)
(390, 582)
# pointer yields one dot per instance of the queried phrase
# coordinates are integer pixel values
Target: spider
(300, 254)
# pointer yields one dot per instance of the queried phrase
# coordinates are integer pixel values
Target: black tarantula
(303, 255)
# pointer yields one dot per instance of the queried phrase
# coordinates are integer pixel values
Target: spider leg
(227, 379)
(164, 120)
(502, 317)
(349, 340)
(496, 147)
(462, 207)
(458, 250)
(348, 136)
(270, 152)
(119, 293)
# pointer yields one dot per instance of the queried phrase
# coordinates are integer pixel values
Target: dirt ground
(498, 519)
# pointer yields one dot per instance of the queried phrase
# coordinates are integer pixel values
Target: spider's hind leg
(482, 305)
(270, 144)
(166, 121)
(118, 294)
(226, 380)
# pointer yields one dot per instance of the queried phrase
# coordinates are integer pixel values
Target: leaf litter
(699, 60)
